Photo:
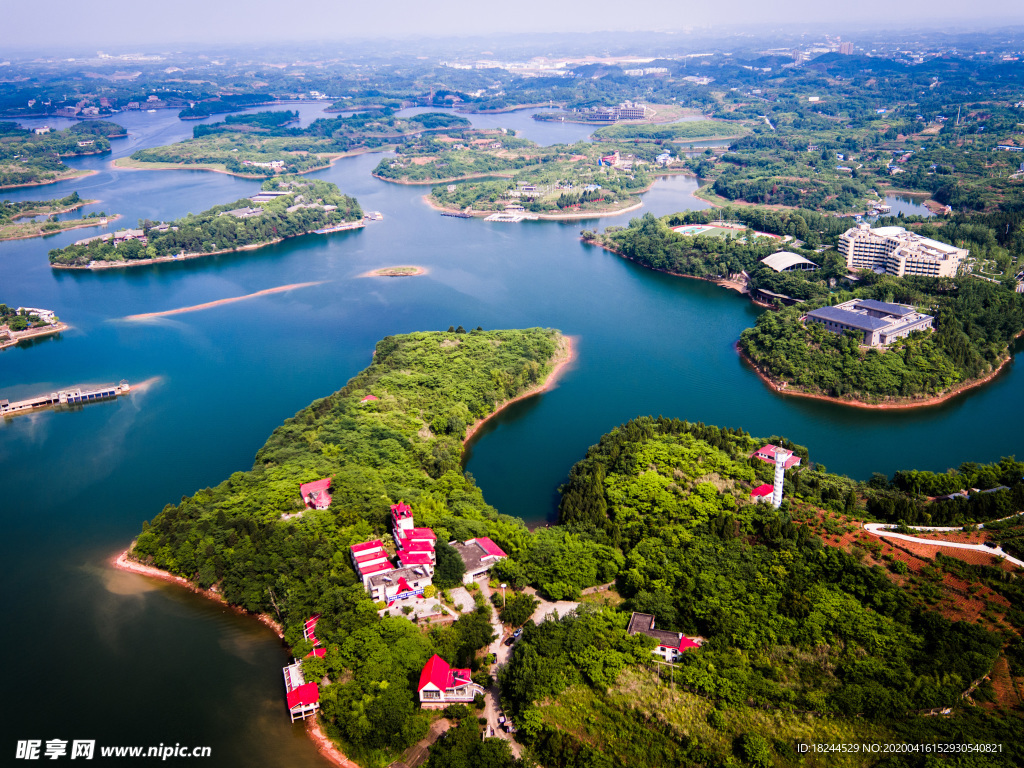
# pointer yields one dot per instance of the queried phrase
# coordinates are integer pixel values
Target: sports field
(692, 230)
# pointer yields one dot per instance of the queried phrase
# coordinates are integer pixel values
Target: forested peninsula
(264, 144)
(976, 320)
(297, 207)
(12, 213)
(810, 632)
(28, 158)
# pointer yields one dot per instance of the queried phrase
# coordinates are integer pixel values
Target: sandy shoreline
(731, 285)
(564, 355)
(220, 302)
(387, 271)
(894, 406)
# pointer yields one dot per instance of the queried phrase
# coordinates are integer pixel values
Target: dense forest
(308, 206)
(404, 446)
(30, 158)
(975, 322)
(790, 626)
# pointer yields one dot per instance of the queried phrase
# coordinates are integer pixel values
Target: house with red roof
(478, 555)
(411, 540)
(315, 495)
(762, 492)
(441, 685)
(671, 645)
(303, 698)
(370, 399)
(767, 453)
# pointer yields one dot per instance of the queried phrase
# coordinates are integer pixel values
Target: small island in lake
(407, 271)
(285, 207)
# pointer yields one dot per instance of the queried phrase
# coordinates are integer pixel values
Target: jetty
(457, 214)
(510, 218)
(64, 398)
(341, 227)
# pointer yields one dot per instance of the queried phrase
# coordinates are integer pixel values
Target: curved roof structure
(783, 260)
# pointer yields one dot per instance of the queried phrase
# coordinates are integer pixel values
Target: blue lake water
(136, 663)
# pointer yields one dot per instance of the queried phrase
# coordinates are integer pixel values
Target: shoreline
(76, 175)
(161, 166)
(449, 180)
(324, 745)
(540, 216)
(564, 355)
(95, 222)
(28, 334)
(729, 285)
(94, 265)
(888, 406)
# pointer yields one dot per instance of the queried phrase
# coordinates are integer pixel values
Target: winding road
(886, 530)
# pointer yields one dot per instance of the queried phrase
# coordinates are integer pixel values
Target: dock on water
(64, 398)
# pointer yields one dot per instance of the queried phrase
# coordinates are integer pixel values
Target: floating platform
(510, 218)
(64, 398)
(374, 216)
(344, 226)
(457, 215)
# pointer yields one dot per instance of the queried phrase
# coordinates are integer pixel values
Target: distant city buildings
(879, 323)
(898, 252)
(846, 48)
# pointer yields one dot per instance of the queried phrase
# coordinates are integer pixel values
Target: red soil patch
(1006, 692)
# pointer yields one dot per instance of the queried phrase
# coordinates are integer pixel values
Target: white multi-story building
(898, 252)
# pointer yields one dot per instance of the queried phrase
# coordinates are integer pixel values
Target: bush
(429, 591)
(479, 702)
(455, 711)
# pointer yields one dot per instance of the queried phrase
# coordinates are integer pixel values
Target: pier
(341, 227)
(64, 398)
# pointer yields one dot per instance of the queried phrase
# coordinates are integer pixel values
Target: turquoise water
(160, 665)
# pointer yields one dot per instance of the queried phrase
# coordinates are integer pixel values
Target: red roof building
(767, 453)
(492, 549)
(408, 559)
(762, 491)
(317, 652)
(303, 698)
(315, 495)
(370, 399)
(441, 684)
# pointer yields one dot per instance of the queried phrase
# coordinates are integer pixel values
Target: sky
(132, 24)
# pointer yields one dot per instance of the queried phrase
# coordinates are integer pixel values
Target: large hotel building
(899, 252)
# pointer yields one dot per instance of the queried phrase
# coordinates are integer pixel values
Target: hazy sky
(129, 24)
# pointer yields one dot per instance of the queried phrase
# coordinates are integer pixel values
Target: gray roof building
(880, 322)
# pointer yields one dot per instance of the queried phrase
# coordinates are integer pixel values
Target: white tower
(781, 457)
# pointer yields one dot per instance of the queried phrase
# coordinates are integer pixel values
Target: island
(504, 175)
(264, 144)
(405, 271)
(25, 323)
(286, 207)
(33, 157)
(13, 229)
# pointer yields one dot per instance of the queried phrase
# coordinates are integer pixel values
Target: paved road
(881, 529)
